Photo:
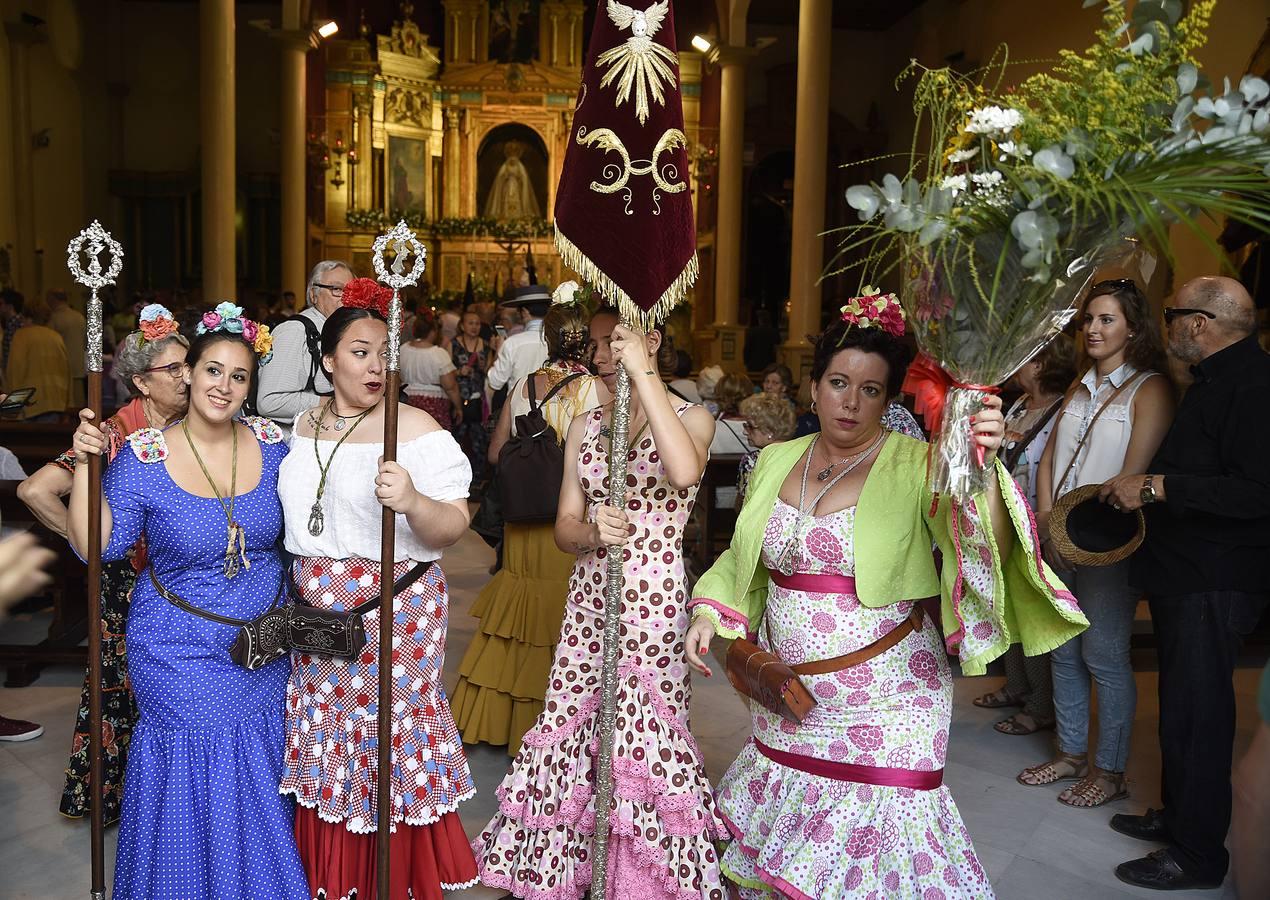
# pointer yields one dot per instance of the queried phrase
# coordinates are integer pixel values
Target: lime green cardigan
(988, 602)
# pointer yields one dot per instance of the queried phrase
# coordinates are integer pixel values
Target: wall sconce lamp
(328, 28)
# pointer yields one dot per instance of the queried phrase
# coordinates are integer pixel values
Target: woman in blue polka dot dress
(202, 817)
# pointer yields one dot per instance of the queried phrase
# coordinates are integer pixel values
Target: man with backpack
(293, 381)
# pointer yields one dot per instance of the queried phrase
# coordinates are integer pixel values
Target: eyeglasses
(173, 369)
(337, 290)
(1173, 312)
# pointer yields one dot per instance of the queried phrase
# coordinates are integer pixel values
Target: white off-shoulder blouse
(437, 466)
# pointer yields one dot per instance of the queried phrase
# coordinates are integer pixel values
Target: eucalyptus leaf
(1187, 78)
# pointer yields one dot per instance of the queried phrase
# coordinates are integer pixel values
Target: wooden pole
(93, 241)
(404, 244)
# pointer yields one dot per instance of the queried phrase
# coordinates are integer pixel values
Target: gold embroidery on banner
(639, 63)
(665, 176)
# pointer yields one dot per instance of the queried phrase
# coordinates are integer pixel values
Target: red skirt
(425, 859)
(437, 407)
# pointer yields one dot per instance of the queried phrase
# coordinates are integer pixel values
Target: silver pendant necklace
(785, 560)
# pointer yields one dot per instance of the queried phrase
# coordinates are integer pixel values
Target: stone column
(811, 149)
(22, 35)
(452, 165)
(295, 47)
(216, 99)
(729, 333)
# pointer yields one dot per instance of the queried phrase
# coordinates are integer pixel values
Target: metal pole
(404, 243)
(93, 240)
(618, 449)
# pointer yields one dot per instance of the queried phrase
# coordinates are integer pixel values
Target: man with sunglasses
(293, 381)
(1205, 568)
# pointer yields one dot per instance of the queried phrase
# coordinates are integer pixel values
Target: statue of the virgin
(512, 194)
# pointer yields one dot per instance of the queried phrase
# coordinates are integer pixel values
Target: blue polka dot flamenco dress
(202, 817)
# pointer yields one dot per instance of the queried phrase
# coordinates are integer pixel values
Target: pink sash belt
(839, 771)
(814, 584)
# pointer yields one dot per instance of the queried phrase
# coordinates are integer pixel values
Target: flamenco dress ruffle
(503, 675)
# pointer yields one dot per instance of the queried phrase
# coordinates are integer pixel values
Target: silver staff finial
(92, 241)
(404, 243)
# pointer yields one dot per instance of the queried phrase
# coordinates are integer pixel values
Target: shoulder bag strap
(181, 603)
(1020, 447)
(1054, 488)
(560, 385)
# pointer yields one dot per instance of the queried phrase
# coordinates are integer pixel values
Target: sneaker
(17, 730)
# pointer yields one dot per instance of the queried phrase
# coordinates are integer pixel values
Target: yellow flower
(264, 340)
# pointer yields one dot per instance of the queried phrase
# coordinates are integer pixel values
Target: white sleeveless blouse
(1102, 456)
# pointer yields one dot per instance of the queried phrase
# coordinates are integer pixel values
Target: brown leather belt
(864, 654)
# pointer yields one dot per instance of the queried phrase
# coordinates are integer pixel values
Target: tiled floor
(1032, 847)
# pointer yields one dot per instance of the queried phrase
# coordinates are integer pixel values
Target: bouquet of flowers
(1023, 193)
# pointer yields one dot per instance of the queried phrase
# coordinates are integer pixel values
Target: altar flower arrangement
(1023, 193)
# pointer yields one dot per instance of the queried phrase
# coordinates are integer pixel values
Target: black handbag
(325, 632)
(260, 641)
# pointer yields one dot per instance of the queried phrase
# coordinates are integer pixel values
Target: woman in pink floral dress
(663, 821)
(830, 557)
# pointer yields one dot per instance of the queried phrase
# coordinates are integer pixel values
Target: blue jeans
(1101, 652)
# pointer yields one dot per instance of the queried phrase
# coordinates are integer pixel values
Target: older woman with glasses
(150, 362)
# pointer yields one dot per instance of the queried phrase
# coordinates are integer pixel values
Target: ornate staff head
(90, 243)
(404, 244)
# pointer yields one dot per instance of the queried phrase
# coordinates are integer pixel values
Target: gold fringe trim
(579, 262)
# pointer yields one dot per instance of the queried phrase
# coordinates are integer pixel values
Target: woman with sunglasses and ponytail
(334, 489)
(202, 816)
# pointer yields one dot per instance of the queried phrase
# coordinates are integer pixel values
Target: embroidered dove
(640, 63)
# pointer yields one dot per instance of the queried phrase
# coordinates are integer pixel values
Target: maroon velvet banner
(624, 205)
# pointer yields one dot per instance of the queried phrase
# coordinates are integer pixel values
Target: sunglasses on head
(1173, 312)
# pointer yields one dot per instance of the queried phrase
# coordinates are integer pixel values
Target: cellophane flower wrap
(1023, 194)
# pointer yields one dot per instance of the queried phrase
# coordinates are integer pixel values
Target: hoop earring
(813, 404)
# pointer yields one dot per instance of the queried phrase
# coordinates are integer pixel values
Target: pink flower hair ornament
(873, 309)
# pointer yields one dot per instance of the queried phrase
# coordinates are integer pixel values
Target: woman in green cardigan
(831, 554)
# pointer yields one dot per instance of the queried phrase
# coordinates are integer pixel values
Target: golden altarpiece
(466, 143)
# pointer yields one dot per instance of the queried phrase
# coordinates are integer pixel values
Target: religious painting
(513, 30)
(407, 162)
(511, 168)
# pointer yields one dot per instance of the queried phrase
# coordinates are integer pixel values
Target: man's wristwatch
(1148, 490)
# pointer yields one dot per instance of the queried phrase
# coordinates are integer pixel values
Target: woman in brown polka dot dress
(664, 823)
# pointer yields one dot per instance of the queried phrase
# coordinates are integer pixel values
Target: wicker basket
(1120, 544)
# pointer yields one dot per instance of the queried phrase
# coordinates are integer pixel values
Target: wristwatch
(1148, 490)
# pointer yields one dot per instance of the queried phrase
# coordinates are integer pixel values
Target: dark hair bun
(840, 336)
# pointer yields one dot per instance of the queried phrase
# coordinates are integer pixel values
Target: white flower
(992, 120)
(1053, 160)
(564, 292)
(1254, 89)
(1009, 148)
(864, 199)
(955, 183)
(986, 181)
(960, 156)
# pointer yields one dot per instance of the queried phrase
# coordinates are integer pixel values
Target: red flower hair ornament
(873, 309)
(367, 293)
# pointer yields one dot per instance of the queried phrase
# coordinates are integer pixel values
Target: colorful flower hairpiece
(367, 293)
(873, 309)
(229, 318)
(156, 323)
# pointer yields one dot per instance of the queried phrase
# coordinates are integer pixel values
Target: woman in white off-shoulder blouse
(333, 489)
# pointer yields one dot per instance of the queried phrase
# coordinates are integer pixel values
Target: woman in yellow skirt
(503, 676)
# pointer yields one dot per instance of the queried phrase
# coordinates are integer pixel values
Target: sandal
(1023, 723)
(1095, 789)
(998, 700)
(1048, 772)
